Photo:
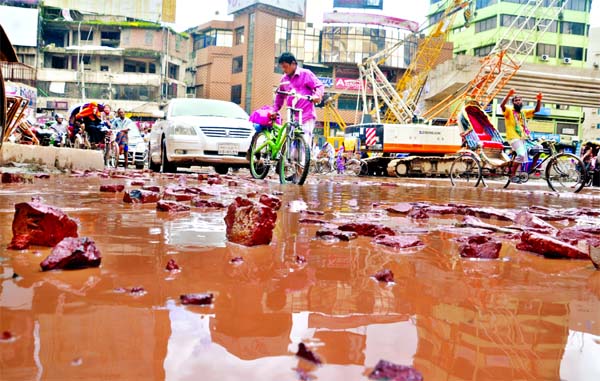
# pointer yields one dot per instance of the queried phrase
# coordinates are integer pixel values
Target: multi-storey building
(237, 60)
(591, 124)
(77, 57)
(565, 43)
(131, 64)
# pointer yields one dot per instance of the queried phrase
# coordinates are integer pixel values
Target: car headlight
(184, 130)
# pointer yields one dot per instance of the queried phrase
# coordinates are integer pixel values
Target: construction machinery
(330, 116)
(427, 148)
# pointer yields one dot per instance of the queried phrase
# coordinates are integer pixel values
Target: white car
(200, 132)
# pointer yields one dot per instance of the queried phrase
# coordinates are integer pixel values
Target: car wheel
(222, 169)
(167, 166)
(151, 165)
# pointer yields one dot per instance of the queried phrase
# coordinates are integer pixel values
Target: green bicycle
(282, 145)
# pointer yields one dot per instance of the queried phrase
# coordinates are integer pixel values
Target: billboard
(365, 18)
(20, 25)
(150, 10)
(364, 4)
(297, 7)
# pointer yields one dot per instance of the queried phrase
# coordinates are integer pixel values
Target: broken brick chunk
(385, 275)
(35, 223)
(112, 188)
(152, 188)
(336, 233)
(72, 253)
(270, 201)
(8, 178)
(171, 194)
(201, 203)
(197, 299)
(385, 370)
(140, 196)
(171, 206)
(248, 223)
(172, 265)
(307, 354)
(236, 260)
(480, 246)
(549, 247)
(398, 241)
(314, 221)
(418, 213)
(367, 229)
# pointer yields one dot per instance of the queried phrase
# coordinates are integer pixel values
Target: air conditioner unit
(567, 60)
(545, 57)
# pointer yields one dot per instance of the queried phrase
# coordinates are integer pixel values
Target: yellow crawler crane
(534, 18)
(410, 85)
(331, 115)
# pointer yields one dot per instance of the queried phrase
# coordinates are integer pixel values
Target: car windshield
(208, 107)
(134, 132)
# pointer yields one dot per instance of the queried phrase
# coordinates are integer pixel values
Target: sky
(189, 16)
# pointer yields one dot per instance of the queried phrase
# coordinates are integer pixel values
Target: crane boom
(518, 41)
(413, 80)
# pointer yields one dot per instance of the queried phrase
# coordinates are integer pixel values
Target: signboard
(546, 136)
(326, 81)
(27, 92)
(541, 126)
(20, 25)
(369, 19)
(370, 4)
(150, 10)
(347, 84)
(297, 7)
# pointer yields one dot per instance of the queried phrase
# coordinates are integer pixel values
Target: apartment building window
(567, 128)
(110, 39)
(213, 37)
(152, 68)
(546, 49)
(577, 5)
(484, 3)
(434, 18)
(577, 28)
(104, 68)
(60, 39)
(131, 66)
(486, 24)
(239, 36)
(86, 35)
(236, 94)
(173, 71)
(507, 20)
(289, 37)
(552, 28)
(483, 51)
(571, 52)
(598, 126)
(237, 64)
(59, 62)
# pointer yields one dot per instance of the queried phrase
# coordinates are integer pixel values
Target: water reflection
(521, 317)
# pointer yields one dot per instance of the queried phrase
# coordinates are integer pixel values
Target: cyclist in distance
(304, 82)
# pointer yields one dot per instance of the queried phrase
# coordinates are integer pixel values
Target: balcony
(61, 75)
(18, 72)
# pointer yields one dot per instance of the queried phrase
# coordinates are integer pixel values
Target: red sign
(347, 84)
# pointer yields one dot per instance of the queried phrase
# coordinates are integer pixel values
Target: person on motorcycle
(90, 116)
(329, 152)
(61, 126)
(121, 125)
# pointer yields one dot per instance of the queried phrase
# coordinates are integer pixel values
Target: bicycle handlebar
(293, 93)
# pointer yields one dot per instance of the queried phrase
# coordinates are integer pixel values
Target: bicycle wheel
(465, 171)
(353, 167)
(295, 161)
(497, 177)
(260, 156)
(564, 173)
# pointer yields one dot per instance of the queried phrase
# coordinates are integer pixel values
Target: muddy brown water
(521, 317)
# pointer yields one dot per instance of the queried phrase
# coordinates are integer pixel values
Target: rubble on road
(249, 223)
(36, 223)
(72, 253)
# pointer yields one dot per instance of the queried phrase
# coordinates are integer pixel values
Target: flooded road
(520, 317)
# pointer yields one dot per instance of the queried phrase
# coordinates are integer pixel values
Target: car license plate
(228, 149)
